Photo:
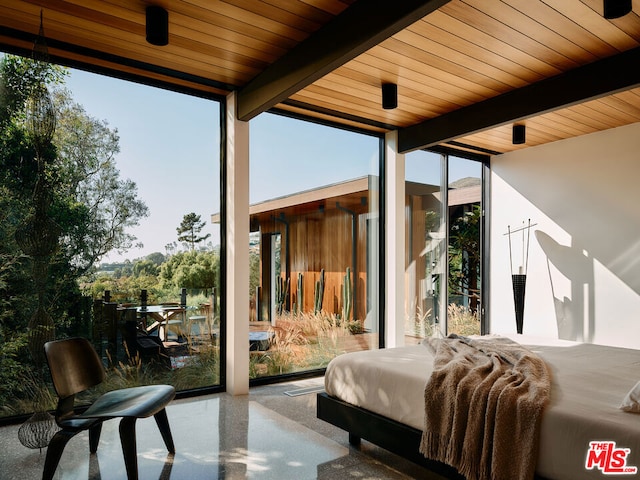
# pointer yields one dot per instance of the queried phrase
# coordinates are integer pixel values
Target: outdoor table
(164, 315)
(260, 341)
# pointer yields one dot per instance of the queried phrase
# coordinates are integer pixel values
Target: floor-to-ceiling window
(443, 260)
(314, 249)
(123, 194)
(464, 216)
(426, 245)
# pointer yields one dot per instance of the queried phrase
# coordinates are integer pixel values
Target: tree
(156, 257)
(96, 206)
(190, 228)
(145, 267)
(193, 270)
(92, 206)
(464, 255)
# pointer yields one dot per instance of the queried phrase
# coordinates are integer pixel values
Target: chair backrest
(74, 365)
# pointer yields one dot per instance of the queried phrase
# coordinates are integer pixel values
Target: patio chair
(76, 367)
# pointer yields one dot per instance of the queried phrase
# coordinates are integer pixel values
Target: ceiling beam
(588, 82)
(358, 28)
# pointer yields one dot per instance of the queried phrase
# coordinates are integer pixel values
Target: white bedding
(588, 385)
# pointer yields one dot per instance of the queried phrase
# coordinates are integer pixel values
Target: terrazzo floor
(267, 434)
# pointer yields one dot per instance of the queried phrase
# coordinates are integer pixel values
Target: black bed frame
(382, 431)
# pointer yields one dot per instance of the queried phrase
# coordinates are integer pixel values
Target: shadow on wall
(577, 267)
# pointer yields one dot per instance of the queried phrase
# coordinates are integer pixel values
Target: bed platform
(396, 437)
(379, 396)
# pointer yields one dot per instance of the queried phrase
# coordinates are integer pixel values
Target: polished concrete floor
(267, 434)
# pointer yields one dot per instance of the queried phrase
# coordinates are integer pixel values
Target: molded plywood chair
(75, 367)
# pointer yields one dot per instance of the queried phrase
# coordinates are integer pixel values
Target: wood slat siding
(465, 52)
(323, 240)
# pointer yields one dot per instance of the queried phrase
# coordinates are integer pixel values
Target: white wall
(583, 279)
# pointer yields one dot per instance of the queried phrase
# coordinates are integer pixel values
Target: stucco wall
(583, 279)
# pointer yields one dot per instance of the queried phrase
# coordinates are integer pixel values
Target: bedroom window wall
(313, 244)
(127, 176)
(443, 247)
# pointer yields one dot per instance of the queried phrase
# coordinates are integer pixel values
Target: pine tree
(190, 228)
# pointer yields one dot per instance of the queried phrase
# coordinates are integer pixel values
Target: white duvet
(588, 386)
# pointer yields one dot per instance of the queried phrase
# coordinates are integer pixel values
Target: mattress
(589, 382)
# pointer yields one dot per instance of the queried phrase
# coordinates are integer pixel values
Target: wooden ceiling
(466, 70)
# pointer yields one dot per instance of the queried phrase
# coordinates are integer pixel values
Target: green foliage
(254, 270)
(127, 373)
(202, 370)
(156, 257)
(86, 197)
(300, 293)
(318, 293)
(282, 291)
(19, 76)
(464, 254)
(12, 371)
(189, 229)
(347, 295)
(145, 267)
(192, 270)
(125, 289)
(94, 208)
(125, 270)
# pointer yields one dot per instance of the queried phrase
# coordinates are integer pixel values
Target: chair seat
(137, 402)
(78, 424)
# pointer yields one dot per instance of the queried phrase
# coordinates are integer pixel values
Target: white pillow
(631, 402)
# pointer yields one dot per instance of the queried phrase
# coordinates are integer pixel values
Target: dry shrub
(462, 321)
(301, 341)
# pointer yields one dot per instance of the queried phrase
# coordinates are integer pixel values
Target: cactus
(299, 298)
(282, 290)
(318, 293)
(347, 296)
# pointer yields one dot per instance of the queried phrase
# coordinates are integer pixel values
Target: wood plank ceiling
(466, 70)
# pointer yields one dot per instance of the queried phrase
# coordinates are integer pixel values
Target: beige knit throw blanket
(483, 405)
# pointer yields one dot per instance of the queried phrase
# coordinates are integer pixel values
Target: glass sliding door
(314, 235)
(443, 249)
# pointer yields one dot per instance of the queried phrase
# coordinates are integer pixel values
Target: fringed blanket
(483, 405)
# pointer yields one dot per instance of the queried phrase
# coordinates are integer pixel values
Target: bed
(379, 396)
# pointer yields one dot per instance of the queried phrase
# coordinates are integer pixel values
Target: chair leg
(54, 452)
(165, 430)
(128, 440)
(94, 437)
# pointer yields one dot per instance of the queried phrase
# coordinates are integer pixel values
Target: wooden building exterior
(335, 228)
(331, 228)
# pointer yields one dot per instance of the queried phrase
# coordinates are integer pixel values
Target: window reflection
(443, 248)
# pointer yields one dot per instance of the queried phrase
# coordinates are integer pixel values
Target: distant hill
(466, 182)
